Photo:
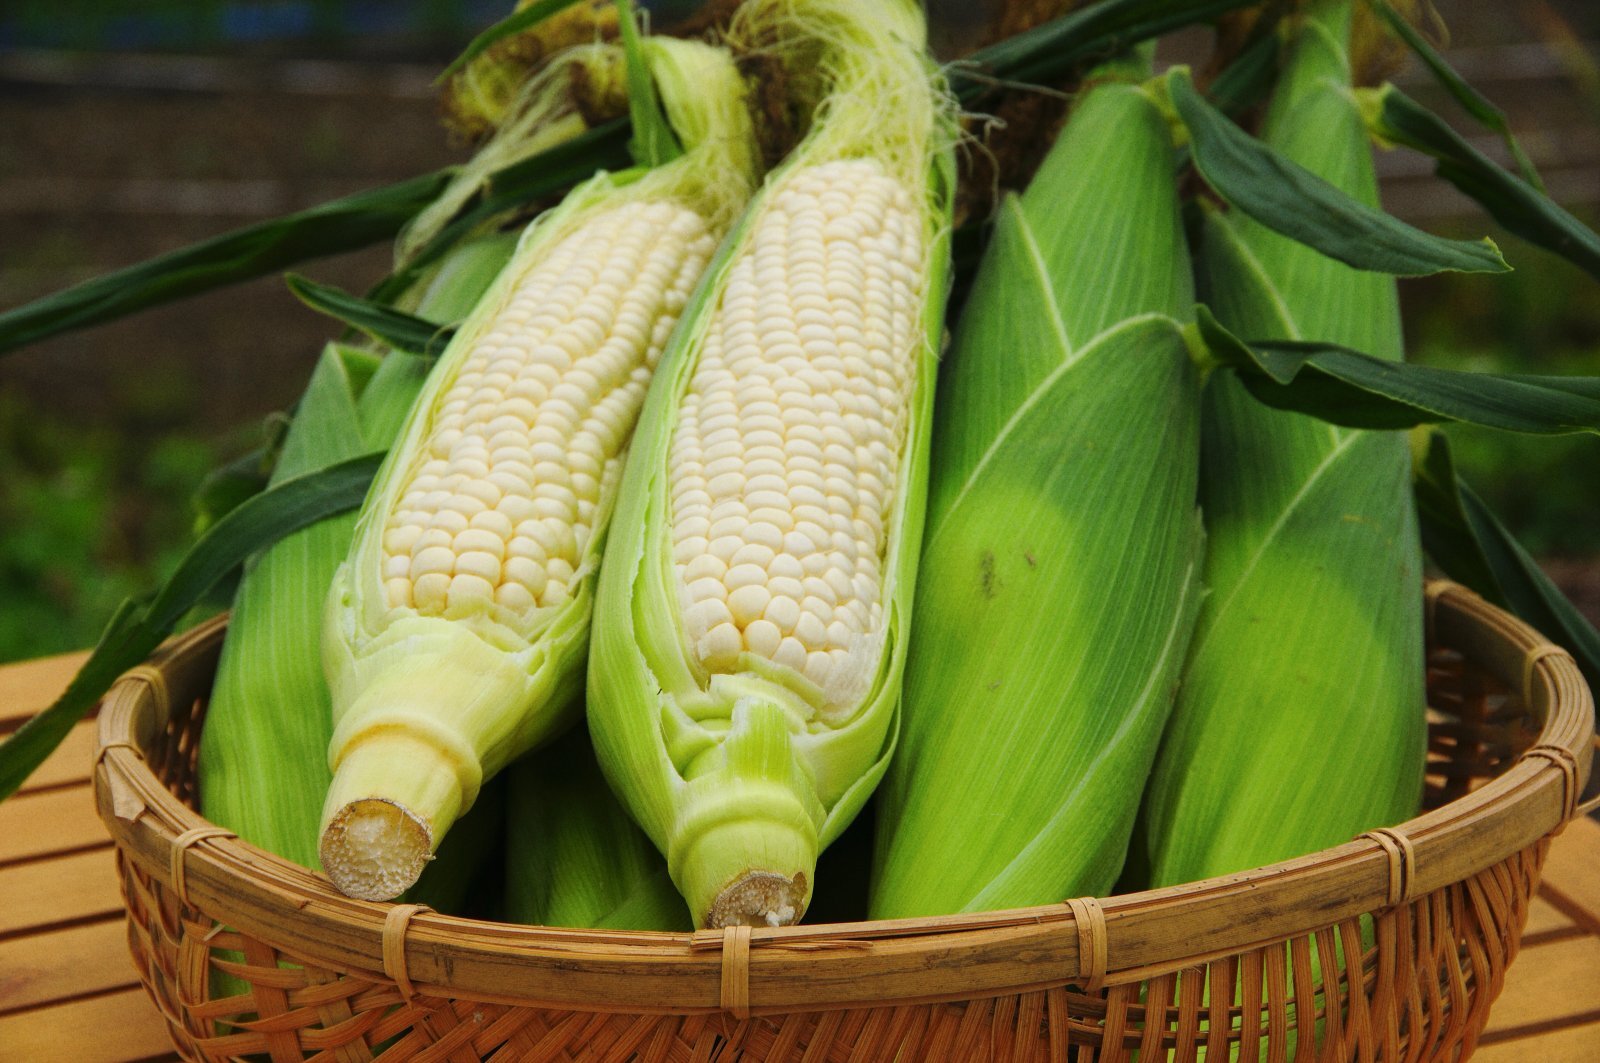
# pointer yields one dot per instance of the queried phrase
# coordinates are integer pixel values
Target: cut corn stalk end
(760, 898)
(375, 849)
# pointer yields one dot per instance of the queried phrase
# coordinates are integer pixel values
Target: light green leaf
(654, 143)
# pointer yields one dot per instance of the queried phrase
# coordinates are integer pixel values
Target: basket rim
(903, 961)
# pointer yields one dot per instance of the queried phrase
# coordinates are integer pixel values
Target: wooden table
(68, 991)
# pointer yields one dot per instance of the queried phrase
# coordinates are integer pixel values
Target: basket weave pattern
(1399, 940)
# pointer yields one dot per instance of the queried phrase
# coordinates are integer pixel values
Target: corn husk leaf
(1471, 100)
(1093, 32)
(573, 856)
(1300, 721)
(378, 321)
(1058, 585)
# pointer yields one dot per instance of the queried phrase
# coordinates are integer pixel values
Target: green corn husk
(573, 856)
(263, 764)
(742, 777)
(1059, 574)
(427, 705)
(1300, 721)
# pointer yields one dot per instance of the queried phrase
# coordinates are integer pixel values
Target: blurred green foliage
(1543, 318)
(92, 514)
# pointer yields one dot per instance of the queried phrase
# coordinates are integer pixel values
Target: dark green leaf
(509, 26)
(256, 250)
(1469, 543)
(1098, 31)
(1289, 199)
(1509, 200)
(1350, 388)
(653, 141)
(1473, 101)
(138, 627)
(383, 323)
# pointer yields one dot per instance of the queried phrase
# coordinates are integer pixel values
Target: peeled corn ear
(1313, 625)
(1058, 585)
(262, 768)
(456, 631)
(752, 615)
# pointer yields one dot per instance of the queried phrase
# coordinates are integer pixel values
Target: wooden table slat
(1545, 918)
(1550, 980)
(1577, 1043)
(44, 968)
(120, 1027)
(43, 824)
(67, 889)
(70, 763)
(29, 686)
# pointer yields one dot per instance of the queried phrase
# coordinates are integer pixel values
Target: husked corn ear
(262, 766)
(503, 497)
(458, 628)
(1313, 548)
(785, 455)
(1058, 585)
(752, 615)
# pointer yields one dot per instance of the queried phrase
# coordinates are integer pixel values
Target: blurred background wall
(127, 129)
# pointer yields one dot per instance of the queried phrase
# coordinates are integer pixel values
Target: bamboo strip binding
(1221, 963)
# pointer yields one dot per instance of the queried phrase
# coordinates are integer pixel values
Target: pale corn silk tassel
(457, 631)
(746, 665)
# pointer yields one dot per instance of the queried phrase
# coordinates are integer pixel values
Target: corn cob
(573, 857)
(262, 765)
(752, 616)
(1313, 546)
(458, 627)
(1059, 574)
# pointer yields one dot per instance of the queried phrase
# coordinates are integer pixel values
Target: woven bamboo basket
(1390, 947)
